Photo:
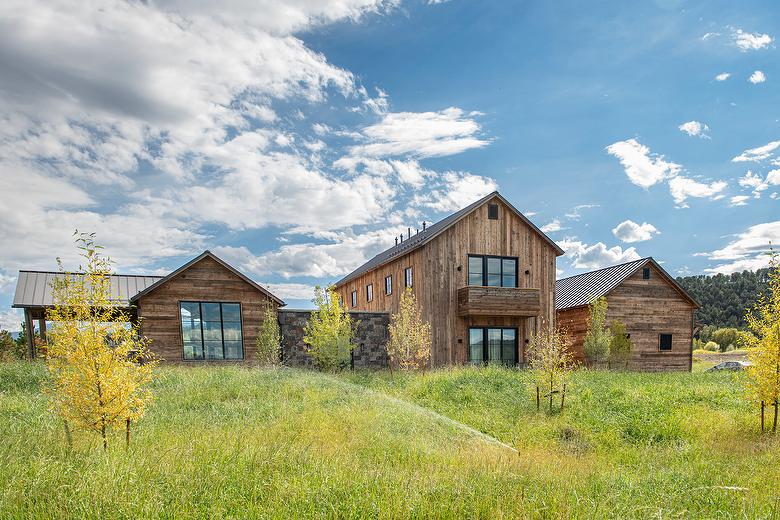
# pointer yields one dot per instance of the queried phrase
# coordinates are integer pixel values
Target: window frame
(492, 209)
(485, 271)
(408, 277)
(645, 273)
(388, 285)
(486, 347)
(369, 292)
(671, 341)
(353, 299)
(222, 330)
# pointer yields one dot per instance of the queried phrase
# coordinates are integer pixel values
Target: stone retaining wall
(370, 337)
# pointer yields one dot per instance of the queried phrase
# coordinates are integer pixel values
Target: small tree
(329, 332)
(100, 367)
(9, 349)
(598, 337)
(620, 347)
(726, 338)
(551, 362)
(763, 375)
(269, 338)
(410, 336)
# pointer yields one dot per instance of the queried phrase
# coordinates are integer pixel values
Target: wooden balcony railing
(498, 301)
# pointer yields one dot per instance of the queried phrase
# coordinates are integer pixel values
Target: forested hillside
(724, 298)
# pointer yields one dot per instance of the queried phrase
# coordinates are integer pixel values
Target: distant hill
(724, 298)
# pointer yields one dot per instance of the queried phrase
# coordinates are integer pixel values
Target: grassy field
(232, 442)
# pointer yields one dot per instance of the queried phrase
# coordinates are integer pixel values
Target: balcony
(498, 301)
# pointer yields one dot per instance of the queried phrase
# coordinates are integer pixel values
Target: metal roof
(33, 288)
(581, 289)
(432, 231)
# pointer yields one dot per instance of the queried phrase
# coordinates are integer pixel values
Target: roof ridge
(80, 272)
(604, 268)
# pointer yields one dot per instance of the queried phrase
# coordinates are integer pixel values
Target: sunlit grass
(235, 442)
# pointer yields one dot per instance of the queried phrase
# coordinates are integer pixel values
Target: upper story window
(664, 342)
(369, 292)
(493, 211)
(408, 277)
(492, 271)
(353, 299)
(389, 284)
(646, 273)
(211, 330)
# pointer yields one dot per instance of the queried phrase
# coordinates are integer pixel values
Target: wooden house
(484, 277)
(657, 312)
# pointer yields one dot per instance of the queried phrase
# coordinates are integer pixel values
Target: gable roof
(33, 288)
(434, 230)
(581, 289)
(194, 261)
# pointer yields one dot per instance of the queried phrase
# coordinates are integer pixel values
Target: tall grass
(282, 443)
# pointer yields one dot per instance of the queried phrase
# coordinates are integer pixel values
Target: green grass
(233, 442)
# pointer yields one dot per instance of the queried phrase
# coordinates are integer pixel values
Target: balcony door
(492, 345)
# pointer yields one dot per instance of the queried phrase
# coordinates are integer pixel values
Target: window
(492, 271)
(646, 273)
(389, 284)
(664, 342)
(211, 330)
(369, 292)
(493, 211)
(492, 345)
(408, 277)
(354, 298)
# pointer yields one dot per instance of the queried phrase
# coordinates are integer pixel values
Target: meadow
(231, 442)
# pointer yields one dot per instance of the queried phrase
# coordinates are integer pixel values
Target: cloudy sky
(296, 140)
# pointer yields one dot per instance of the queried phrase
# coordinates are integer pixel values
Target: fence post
(762, 416)
(563, 396)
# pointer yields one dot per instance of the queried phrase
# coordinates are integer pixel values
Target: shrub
(598, 337)
(620, 346)
(410, 337)
(712, 347)
(551, 362)
(269, 339)
(329, 332)
(725, 338)
(9, 349)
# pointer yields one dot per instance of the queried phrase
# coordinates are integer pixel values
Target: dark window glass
(369, 292)
(475, 270)
(665, 342)
(389, 284)
(354, 298)
(216, 336)
(476, 346)
(408, 277)
(492, 345)
(494, 272)
(508, 272)
(646, 273)
(493, 211)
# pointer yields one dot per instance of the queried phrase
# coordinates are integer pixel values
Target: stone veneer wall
(371, 338)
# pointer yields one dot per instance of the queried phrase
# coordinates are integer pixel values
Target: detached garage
(657, 312)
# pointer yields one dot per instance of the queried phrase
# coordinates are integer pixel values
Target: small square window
(493, 211)
(664, 342)
(646, 273)
(354, 299)
(369, 292)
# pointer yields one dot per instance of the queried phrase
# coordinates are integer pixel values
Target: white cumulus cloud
(723, 76)
(757, 77)
(629, 231)
(682, 188)
(749, 250)
(596, 256)
(642, 167)
(695, 129)
(757, 154)
(746, 41)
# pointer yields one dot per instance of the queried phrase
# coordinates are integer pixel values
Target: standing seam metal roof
(33, 288)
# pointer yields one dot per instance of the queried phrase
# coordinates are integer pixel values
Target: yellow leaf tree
(99, 365)
(329, 332)
(551, 362)
(269, 338)
(763, 375)
(410, 336)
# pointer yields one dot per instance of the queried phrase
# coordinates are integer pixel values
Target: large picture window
(211, 330)
(492, 271)
(492, 345)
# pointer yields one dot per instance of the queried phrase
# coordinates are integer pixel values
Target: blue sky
(296, 140)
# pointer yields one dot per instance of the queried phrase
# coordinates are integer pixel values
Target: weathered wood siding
(437, 279)
(648, 308)
(206, 281)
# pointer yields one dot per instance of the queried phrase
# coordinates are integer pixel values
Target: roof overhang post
(29, 332)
